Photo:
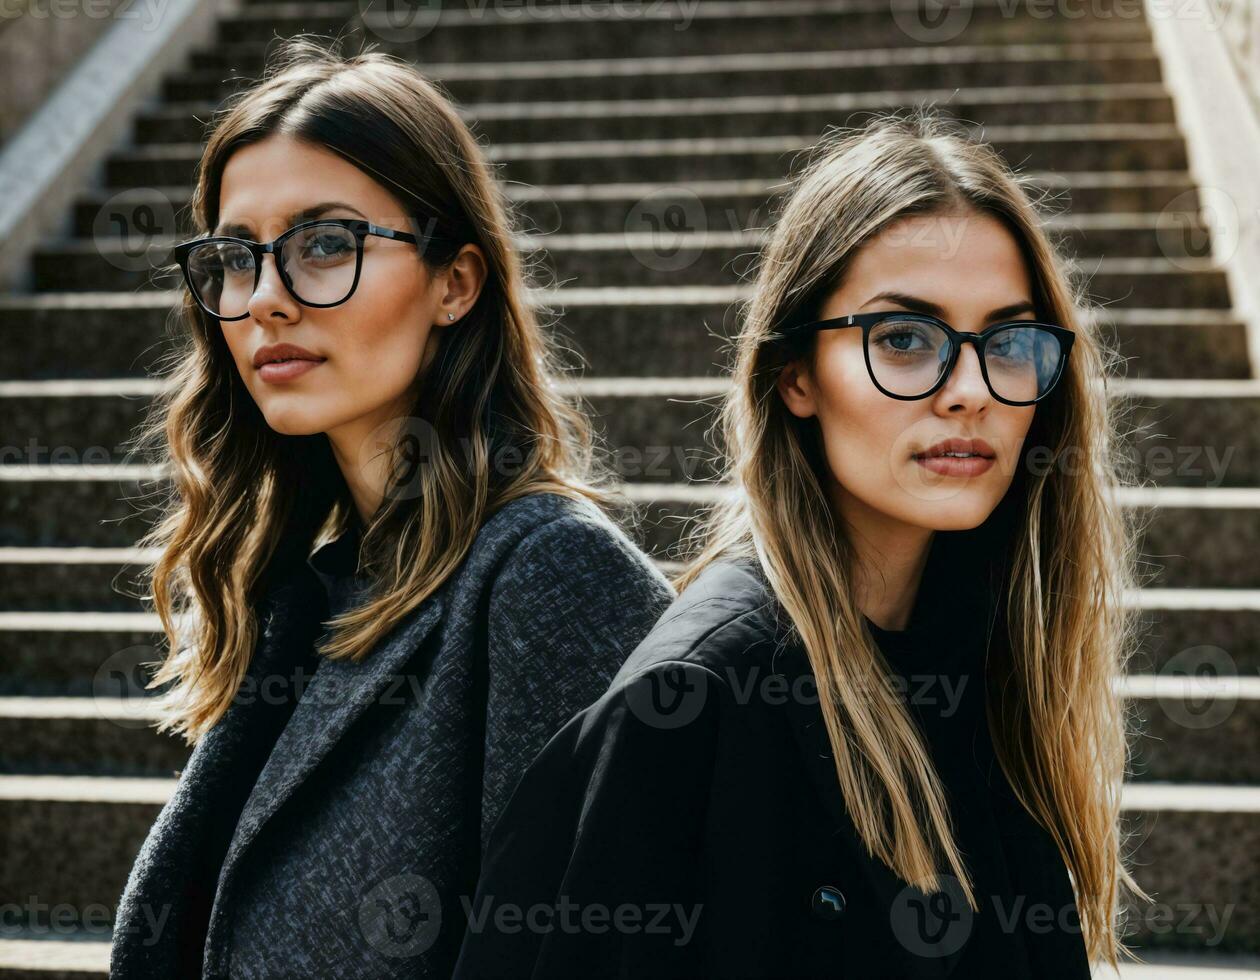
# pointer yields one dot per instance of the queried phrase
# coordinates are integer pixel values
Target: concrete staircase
(666, 115)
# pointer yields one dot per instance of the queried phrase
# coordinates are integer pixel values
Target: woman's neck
(890, 558)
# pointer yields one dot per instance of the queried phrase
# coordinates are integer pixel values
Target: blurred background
(644, 142)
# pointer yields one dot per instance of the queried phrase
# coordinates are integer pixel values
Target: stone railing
(1210, 52)
(1240, 27)
(40, 41)
(59, 145)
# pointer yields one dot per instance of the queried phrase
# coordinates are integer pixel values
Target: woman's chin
(959, 509)
(960, 514)
(293, 423)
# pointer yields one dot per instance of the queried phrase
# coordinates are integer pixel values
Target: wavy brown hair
(245, 504)
(1061, 551)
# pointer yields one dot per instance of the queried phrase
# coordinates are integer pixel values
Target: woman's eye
(325, 246)
(899, 339)
(1013, 344)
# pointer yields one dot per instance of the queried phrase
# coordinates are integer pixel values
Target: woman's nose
(270, 294)
(967, 373)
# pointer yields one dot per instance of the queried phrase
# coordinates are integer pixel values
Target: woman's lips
(955, 465)
(286, 370)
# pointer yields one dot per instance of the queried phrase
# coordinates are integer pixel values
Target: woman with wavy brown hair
(877, 734)
(359, 370)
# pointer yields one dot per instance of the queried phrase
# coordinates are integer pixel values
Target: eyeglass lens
(908, 357)
(318, 261)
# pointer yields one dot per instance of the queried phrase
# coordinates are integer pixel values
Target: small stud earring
(450, 316)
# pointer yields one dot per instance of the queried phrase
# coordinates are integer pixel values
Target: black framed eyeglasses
(319, 263)
(909, 355)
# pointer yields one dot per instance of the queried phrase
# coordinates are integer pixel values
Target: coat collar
(164, 883)
(161, 918)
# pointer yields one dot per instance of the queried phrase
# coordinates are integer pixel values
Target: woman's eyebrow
(236, 229)
(918, 305)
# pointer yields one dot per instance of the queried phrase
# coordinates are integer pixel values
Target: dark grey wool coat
(342, 852)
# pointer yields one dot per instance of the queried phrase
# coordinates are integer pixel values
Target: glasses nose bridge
(957, 339)
(261, 251)
(976, 340)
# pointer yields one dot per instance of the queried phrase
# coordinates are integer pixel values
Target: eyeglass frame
(359, 226)
(957, 338)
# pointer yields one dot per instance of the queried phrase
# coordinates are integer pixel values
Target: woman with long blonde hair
(359, 371)
(877, 734)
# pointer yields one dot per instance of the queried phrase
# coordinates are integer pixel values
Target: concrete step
(1194, 537)
(1182, 629)
(107, 580)
(659, 239)
(86, 957)
(730, 205)
(707, 205)
(631, 332)
(1160, 965)
(78, 654)
(1193, 729)
(665, 28)
(550, 7)
(56, 953)
(1177, 832)
(1111, 147)
(750, 115)
(806, 72)
(1185, 434)
(69, 842)
(1193, 434)
(649, 260)
(103, 735)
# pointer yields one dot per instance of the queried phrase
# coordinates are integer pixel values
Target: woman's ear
(796, 388)
(461, 284)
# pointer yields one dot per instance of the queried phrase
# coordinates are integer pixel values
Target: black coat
(690, 823)
(331, 837)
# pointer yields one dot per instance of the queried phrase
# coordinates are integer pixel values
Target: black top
(938, 664)
(336, 566)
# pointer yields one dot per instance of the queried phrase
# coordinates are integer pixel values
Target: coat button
(828, 902)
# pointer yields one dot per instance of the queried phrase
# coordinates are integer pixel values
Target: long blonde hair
(1067, 549)
(245, 503)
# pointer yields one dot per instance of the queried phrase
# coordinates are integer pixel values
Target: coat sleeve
(569, 603)
(594, 868)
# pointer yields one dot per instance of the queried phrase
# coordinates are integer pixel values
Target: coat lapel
(337, 694)
(161, 920)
